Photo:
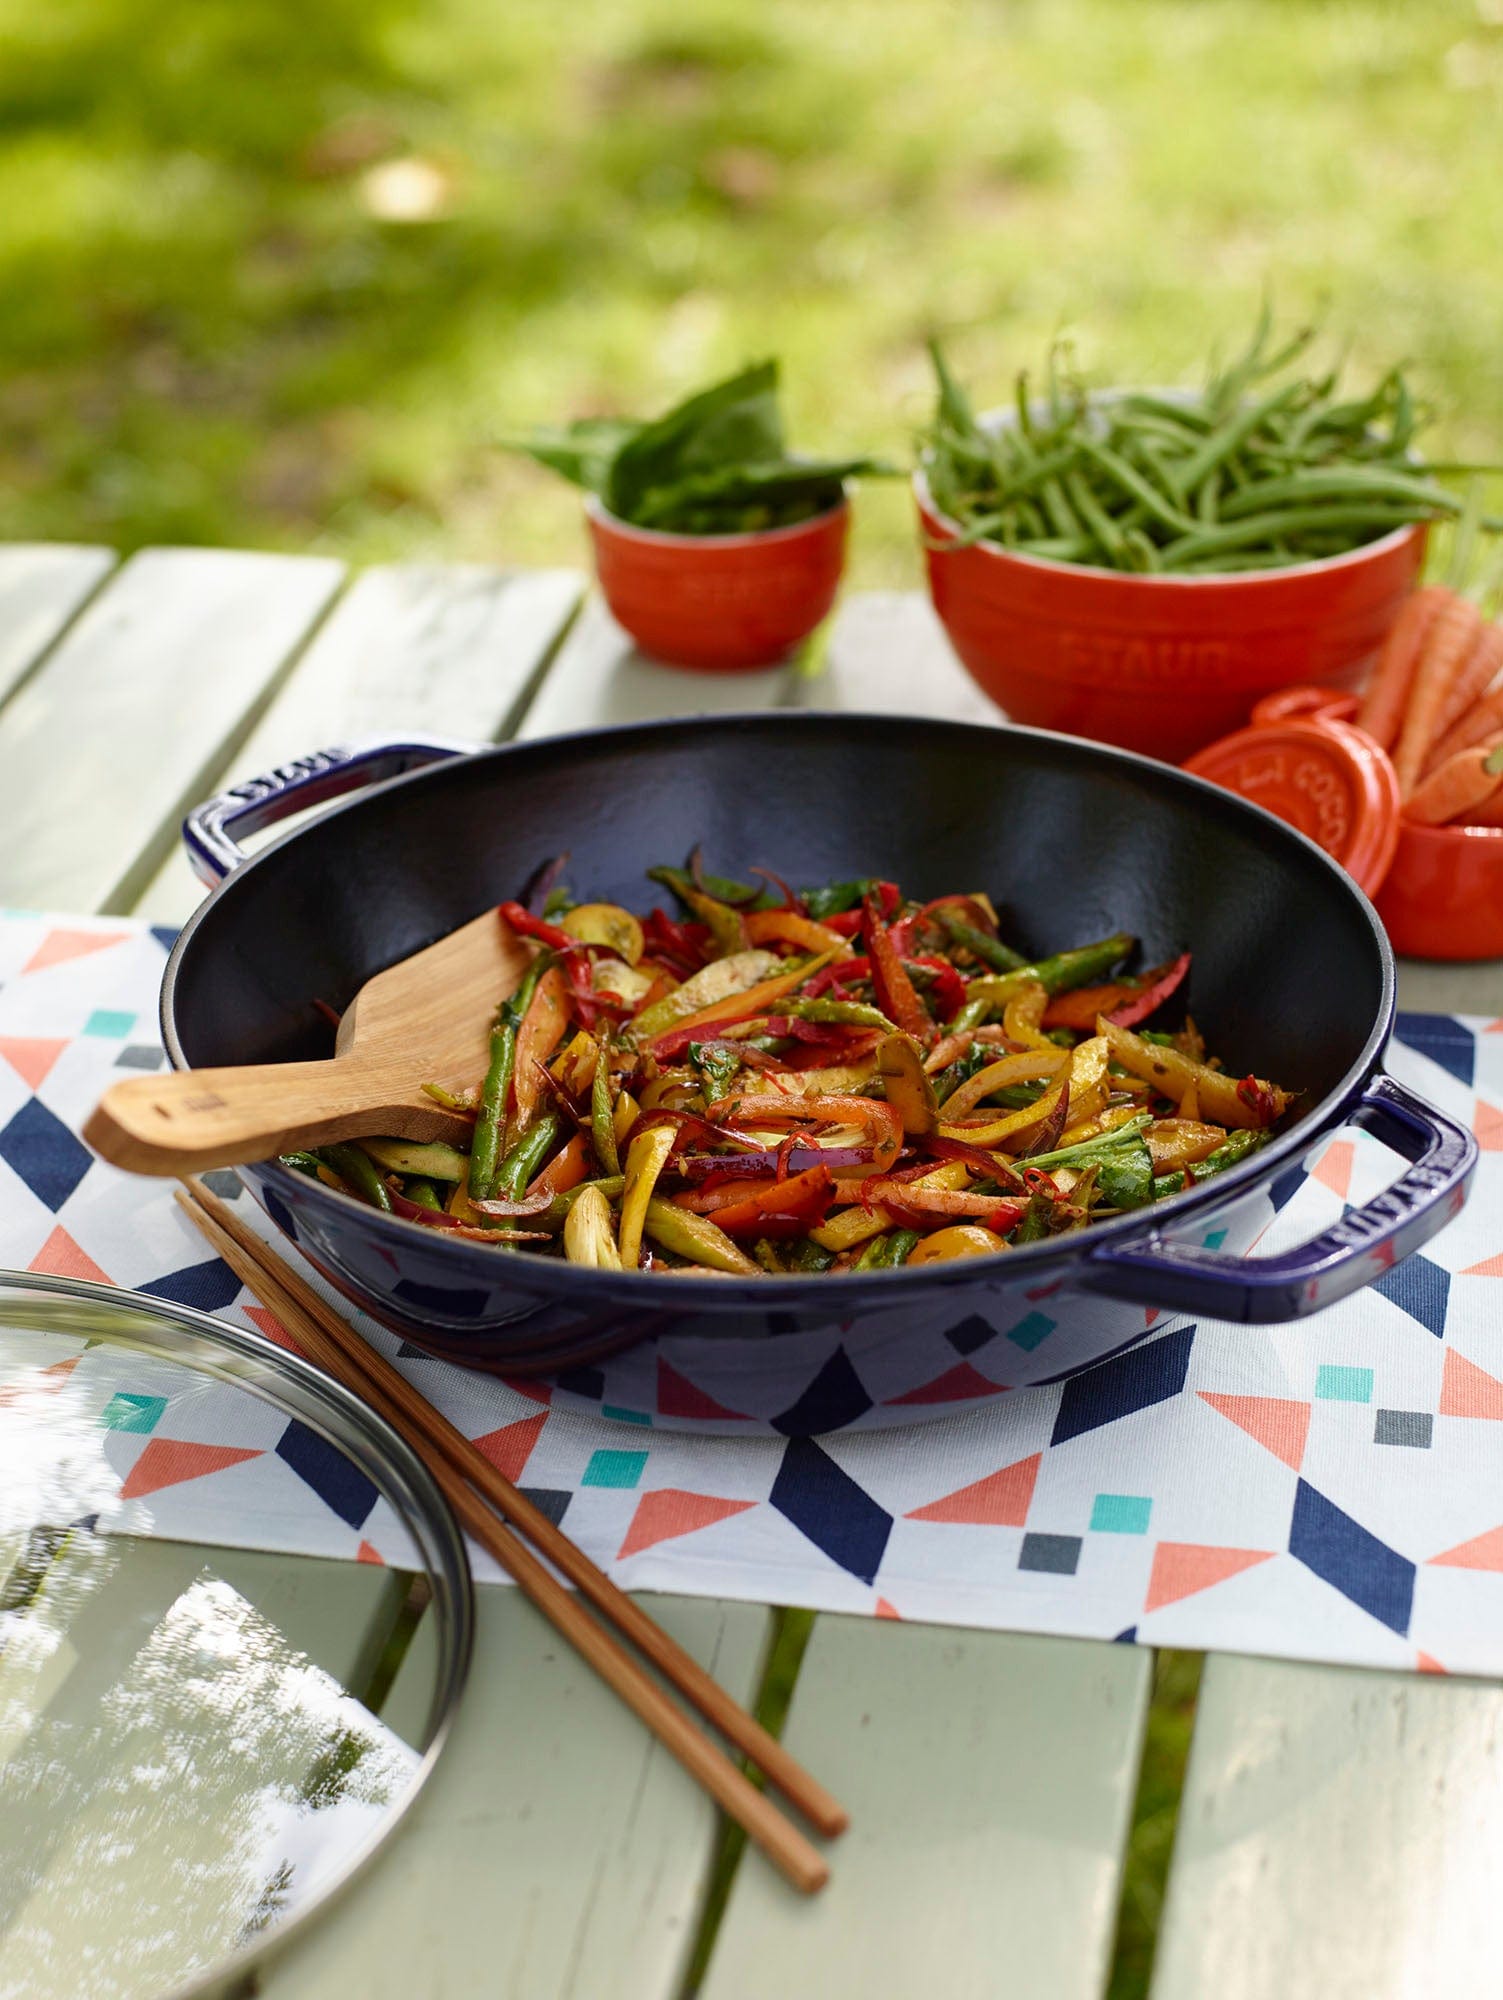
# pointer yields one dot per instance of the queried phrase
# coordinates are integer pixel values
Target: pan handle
(1186, 1277)
(209, 830)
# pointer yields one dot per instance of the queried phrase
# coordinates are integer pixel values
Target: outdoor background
(277, 274)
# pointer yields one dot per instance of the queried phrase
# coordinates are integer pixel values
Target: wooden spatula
(425, 1020)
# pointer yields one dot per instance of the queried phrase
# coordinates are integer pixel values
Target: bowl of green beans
(1141, 565)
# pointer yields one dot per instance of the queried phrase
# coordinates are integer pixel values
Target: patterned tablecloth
(1330, 1490)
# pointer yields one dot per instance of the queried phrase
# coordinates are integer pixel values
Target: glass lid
(199, 1740)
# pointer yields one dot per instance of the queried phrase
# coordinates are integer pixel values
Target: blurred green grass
(215, 330)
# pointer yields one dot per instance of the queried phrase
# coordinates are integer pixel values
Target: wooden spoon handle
(186, 1121)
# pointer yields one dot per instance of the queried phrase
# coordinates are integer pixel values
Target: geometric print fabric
(1331, 1489)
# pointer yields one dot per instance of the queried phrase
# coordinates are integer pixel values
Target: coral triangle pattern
(1279, 1424)
(1000, 1500)
(1467, 1390)
(1481, 1552)
(670, 1512)
(1326, 1491)
(169, 1461)
(1181, 1569)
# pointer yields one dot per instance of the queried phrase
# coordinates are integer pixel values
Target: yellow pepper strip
(695, 1237)
(1014, 1125)
(606, 924)
(645, 1160)
(900, 1064)
(961, 1239)
(1023, 1015)
(1249, 1105)
(625, 1115)
(589, 1237)
(1179, 1142)
(1089, 1083)
(1092, 1128)
(750, 1000)
(574, 1066)
(787, 927)
(1025, 1068)
(859, 1225)
(715, 982)
(460, 1205)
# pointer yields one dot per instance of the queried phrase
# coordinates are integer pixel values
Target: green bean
(359, 1171)
(1221, 444)
(971, 1015)
(1264, 527)
(872, 1256)
(1165, 1185)
(490, 1120)
(807, 1255)
(1237, 1146)
(1349, 483)
(1131, 481)
(1062, 516)
(1096, 519)
(1207, 500)
(766, 1253)
(900, 1247)
(557, 1212)
(424, 1193)
(839, 1013)
(527, 1156)
(991, 951)
(1080, 966)
(301, 1163)
(602, 1113)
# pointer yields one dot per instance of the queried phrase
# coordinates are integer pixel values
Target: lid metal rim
(233, 1354)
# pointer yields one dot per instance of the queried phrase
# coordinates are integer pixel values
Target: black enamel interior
(1071, 841)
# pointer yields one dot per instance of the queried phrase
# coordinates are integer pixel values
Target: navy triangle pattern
(165, 935)
(971, 1333)
(39, 1148)
(827, 1506)
(210, 1287)
(1133, 1381)
(1420, 1289)
(550, 1500)
(1345, 1555)
(340, 1485)
(1285, 1186)
(1443, 1040)
(835, 1397)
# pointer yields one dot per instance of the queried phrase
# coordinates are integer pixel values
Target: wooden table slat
(1339, 1834)
(990, 1780)
(558, 1852)
(888, 655)
(42, 586)
(599, 678)
(163, 669)
(424, 649)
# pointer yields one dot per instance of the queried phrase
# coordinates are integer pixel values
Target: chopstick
(469, 1482)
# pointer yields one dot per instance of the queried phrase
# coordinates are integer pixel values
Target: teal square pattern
(1121, 1514)
(109, 1022)
(1343, 1385)
(625, 1416)
(132, 1413)
(1029, 1332)
(614, 1468)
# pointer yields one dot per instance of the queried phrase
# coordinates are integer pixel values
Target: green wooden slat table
(1336, 1824)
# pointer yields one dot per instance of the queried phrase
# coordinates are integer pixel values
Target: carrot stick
(1383, 705)
(1482, 723)
(1478, 672)
(1463, 783)
(539, 1035)
(1446, 646)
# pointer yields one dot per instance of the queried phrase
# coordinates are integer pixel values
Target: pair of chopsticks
(498, 1516)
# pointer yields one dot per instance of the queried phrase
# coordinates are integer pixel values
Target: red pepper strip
(845, 922)
(875, 1117)
(709, 1168)
(786, 1028)
(587, 1003)
(787, 1208)
(894, 989)
(525, 924)
(830, 976)
(1123, 1001)
(688, 1127)
(973, 1156)
(668, 940)
(1040, 1182)
(707, 1199)
(949, 988)
(857, 1045)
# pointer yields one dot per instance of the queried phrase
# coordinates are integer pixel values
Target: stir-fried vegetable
(1264, 467)
(837, 1080)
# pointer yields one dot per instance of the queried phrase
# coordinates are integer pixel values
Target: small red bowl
(719, 602)
(1443, 895)
(1160, 664)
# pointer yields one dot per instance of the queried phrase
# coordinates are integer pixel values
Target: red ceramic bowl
(1443, 896)
(1160, 664)
(719, 602)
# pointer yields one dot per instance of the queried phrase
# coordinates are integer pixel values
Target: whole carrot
(1478, 671)
(1482, 723)
(1383, 705)
(1447, 644)
(1489, 813)
(1465, 782)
